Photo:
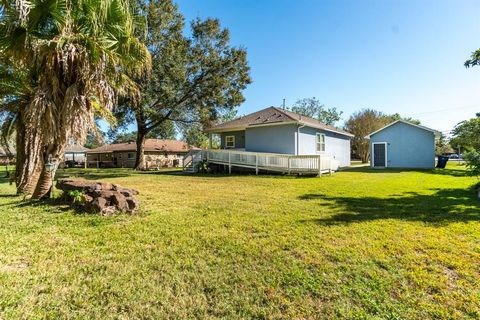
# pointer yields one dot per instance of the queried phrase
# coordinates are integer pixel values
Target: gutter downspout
(300, 126)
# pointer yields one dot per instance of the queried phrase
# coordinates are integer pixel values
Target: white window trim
(373, 154)
(317, 143)
(226, 142)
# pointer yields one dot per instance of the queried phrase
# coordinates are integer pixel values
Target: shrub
(76, 196)
(473, 162)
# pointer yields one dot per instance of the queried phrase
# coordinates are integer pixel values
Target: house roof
(75, 148)
(150, 145)
(435, 132)
(273, 116)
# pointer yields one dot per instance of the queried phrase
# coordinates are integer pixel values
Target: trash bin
(442, 162)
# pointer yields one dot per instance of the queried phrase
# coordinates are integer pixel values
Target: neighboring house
(75, 154)
(402, 144)
(275, 130)
(158, 153)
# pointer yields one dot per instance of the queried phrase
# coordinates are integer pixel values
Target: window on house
(130, 156)
(320, 142)
(230, 142)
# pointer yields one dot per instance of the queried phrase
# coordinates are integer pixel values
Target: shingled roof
(75, 148)
(150, 146)
(272, 116)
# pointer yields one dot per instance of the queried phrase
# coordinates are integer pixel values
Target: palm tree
(77, 54)
(16, 92)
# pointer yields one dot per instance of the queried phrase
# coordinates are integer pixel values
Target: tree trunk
(142, 131)
(140, 156)
(28, 164)
(365, 156)
(44, 185)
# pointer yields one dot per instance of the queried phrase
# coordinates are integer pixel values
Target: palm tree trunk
(45, 184)
(28, 164)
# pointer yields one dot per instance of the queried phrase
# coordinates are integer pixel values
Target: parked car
(454, 156)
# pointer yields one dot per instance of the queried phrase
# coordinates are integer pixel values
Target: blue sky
(394, 56)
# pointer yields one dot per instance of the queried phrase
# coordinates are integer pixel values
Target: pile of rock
(101, 197)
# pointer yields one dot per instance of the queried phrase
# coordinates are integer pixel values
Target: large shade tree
(360, 124)
(474, 59)
(194, 79)
(466, 134)
(311, 107)
(74, 55)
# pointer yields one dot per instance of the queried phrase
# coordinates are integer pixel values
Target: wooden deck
(307, 164)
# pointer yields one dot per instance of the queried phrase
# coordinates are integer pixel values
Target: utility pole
(283, 104)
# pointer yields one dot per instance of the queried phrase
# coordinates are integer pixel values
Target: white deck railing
(317, 164)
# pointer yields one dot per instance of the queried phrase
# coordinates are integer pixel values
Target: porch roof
(273, 116)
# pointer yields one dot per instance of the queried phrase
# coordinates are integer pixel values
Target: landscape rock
(101, 197)
(132, 204)
(109, 211)
(98, 204)
(119, 201)
(107, 194)
(103, 186)
(87, 198)
(127, 193)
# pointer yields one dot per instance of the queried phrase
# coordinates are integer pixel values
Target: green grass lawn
(359, 244)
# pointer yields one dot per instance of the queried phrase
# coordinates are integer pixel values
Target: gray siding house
(402, 144)
(274, 130)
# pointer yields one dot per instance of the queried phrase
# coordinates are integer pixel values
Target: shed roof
(435, 132)
(274, 116)
(150, 145)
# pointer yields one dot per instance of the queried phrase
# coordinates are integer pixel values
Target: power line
(446, 109)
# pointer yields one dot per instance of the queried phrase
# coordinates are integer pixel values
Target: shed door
(379, 154)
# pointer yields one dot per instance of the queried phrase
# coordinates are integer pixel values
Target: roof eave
(436, 133)
(241, 128)
(326, 129)
(219, 130)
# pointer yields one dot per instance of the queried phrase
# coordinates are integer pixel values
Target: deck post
(319, 165)
(288, 165)
(229, 164)
(98, 164)
(256, 164)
